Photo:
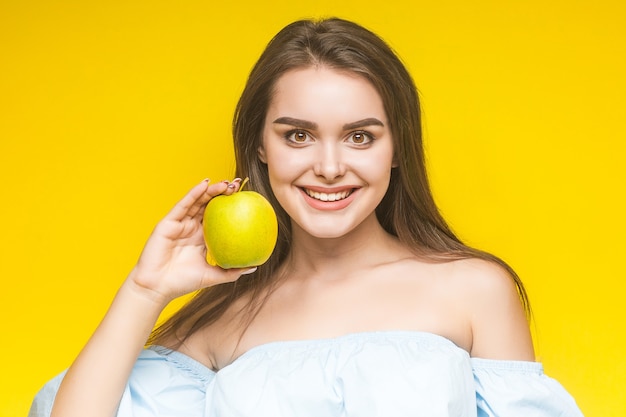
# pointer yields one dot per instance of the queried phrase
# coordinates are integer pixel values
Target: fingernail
(237, 180)
(206, 180)
(248, 271)
(232, 186)
(226, 182)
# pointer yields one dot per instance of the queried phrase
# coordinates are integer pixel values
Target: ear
(394, 162)
(261, 153)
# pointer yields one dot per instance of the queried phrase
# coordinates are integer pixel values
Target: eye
(360, 138)
(298, 136)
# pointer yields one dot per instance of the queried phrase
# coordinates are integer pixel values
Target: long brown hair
(408, 209)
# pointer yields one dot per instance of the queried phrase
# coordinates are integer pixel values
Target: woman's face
(328, 148)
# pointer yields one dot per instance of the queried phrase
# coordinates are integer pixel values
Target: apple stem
(243, 184)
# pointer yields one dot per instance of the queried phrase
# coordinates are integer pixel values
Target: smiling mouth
(328, 196)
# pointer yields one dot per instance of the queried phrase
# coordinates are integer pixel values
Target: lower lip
(329, 205)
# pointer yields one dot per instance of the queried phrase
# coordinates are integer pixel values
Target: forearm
(172, 263)
(94, 384)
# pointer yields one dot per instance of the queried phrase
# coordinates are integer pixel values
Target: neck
(328, 259)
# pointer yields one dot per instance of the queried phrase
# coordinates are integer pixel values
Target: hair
(407, 210)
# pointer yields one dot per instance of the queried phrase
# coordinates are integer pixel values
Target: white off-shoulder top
(388, 373)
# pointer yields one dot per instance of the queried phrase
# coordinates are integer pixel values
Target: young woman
(369, 305)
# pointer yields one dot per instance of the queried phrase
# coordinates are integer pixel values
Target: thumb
(243, 271)
(227, 275)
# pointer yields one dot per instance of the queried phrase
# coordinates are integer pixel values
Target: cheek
(284, 167)
(375, 166)
(285, 161)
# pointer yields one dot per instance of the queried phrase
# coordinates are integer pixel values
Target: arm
(171, 264)
(500, 329)
(508, 381)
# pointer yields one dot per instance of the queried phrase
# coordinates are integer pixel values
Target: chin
(328, 230)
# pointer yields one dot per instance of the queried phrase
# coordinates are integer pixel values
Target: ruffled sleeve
(519, 389)
(42, 403)
(162, 382)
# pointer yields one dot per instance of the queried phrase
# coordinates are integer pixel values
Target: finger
(195, 200)
(233, 186)
(224, 187)
(218, 188)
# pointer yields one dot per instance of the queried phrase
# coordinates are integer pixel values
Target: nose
(329, 164)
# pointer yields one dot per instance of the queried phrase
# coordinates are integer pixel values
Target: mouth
(328, 197)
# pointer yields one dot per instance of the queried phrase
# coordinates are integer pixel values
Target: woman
(369, 305)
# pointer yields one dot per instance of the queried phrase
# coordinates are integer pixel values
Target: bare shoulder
(490, 298)
(482, 278)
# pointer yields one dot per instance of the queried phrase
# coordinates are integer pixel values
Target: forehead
(323, 91)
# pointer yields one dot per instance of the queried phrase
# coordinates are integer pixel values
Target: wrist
(147, 296)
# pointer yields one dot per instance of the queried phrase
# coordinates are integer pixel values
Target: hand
(173, 261)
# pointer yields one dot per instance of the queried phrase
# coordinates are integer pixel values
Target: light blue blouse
(391, 373)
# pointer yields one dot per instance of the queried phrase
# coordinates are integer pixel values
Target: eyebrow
(296, 122)
(370, 121)
(306, 124)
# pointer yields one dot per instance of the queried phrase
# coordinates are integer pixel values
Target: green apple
(240, 229)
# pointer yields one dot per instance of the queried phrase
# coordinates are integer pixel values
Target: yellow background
(111, 110)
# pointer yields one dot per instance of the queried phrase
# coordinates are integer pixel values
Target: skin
(171, 264)
(343, 145)
(344, 275)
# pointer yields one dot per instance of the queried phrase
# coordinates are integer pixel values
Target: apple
(240, 229)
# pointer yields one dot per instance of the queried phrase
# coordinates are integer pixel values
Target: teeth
(327, 197)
